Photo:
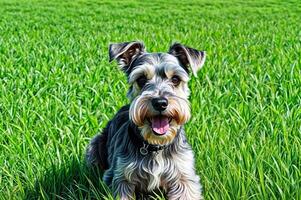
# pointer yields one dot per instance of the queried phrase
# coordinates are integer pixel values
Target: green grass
(57, 90)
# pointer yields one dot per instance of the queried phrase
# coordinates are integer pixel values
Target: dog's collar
(144, 146)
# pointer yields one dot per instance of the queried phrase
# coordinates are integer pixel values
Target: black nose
(160, 103)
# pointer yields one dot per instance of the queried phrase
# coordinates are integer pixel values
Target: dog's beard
(143, 115)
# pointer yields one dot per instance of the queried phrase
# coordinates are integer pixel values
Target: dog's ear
(125, 52)
(188, 57)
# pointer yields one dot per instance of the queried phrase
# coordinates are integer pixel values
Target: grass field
(57, 90)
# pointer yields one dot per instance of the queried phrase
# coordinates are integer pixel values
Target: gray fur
(117, 150)
(188, 57)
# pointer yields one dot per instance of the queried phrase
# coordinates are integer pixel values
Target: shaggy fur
(136, 157)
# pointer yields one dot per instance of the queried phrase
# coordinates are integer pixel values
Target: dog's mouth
(159, 124)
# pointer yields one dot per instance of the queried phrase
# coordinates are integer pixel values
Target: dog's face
(158, 87)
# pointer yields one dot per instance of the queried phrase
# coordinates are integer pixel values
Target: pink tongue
(160, 125)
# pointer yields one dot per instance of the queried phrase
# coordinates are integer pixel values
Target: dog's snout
(160, 103)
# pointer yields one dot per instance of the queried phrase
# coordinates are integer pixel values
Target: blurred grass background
(57, 90)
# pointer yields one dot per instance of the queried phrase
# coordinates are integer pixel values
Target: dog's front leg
(185, 189)
(123, 189)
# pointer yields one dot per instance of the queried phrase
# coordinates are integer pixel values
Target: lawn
(57, 90)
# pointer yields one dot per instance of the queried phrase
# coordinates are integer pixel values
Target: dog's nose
(160, 103)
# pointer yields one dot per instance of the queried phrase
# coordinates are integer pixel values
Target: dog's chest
(149, 173)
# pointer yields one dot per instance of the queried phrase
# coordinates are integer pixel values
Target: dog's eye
(175, 80)
(141, 81)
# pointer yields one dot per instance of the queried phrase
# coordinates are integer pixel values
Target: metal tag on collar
(143, 150)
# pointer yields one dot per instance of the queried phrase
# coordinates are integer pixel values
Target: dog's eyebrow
(171, 70)
(146, 69)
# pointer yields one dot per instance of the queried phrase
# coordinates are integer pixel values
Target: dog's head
(158, 87)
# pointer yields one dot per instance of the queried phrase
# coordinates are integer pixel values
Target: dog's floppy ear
(125, 52)
(188, 57)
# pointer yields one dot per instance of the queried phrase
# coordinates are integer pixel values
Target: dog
(143, 148)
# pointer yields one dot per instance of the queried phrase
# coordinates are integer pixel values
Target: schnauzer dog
(143, 148)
